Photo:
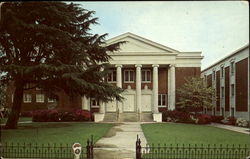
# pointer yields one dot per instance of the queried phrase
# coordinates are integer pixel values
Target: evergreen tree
(195, 94)
(49, 45)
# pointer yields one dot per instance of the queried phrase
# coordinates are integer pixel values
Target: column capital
(172, 65)
(138, 65)
(118, 65)
(155, 65)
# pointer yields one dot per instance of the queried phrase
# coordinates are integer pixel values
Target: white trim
(51, 100)
(27, 98)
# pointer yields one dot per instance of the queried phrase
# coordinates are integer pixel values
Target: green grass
(44, 133)
(177, 133)
(21, 119)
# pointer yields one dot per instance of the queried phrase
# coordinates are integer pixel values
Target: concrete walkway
(121, 144)
(232, 128)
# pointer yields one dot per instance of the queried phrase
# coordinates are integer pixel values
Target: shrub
(216, 119)
(203, 119)
(242, 122)
(177, 116)
(26, 114)
(55, 115)
(229, 121)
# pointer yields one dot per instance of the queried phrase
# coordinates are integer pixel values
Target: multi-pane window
(27, 98)
(162, 100)
(94, 102)
(146, 75)
(232, 89)
(222, 71)
(129, 76)
(112, 76)
(232, 67)
(51, 100)
(232, 111)
(222, 92)
(40, 98)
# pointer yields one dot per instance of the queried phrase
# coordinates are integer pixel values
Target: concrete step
(129, 117)
(110, 117)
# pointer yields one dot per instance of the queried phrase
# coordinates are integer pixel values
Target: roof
(137, 37)
(230, 55)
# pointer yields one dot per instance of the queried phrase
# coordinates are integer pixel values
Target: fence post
(138, 148)
(88, 148)
(91, 147)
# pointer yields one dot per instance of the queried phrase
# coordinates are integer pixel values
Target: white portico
(147, 72)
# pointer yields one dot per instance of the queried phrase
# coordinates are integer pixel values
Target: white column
(102, 104)
(119, 83)
(172, 87)
(138, 87)
(85, 103)
(119, 75)
(155, 88)
(102, 107)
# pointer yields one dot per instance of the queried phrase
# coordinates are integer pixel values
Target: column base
(98, 117)
(157, 117)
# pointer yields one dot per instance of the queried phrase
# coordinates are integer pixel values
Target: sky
(216, 28)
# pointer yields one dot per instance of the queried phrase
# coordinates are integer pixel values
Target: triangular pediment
(135, 43)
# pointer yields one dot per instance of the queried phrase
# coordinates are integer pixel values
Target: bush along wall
(55, 115)
(199, 118)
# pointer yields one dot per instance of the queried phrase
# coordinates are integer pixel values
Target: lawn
(44, 133)
(177, 133)
(21, 119)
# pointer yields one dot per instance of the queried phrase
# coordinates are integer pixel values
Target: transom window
(162, 100)
(146, 75)
(129, 76)
(27, 98)
(95, 102)
(40, 98)
(112, 76)
(51, 100)
(214, 75)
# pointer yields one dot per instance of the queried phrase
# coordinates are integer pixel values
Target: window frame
(232, 68)
(222, 92)
(161, 101)
(27, 99)
(232, 90)
(97, 105)
(38, 101)
(112, 77)
(51, 100)
(146, 76)
(124, 75)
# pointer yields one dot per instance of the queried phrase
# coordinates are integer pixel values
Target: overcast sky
(216, 28)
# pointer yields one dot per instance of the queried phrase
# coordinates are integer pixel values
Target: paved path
(122, 144)
(232, 128)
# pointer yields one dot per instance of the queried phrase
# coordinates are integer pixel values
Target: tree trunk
(16, 107)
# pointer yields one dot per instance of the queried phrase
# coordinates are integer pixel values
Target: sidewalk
(122, 144)
(232, 128)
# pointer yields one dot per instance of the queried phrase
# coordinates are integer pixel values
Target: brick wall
(227, 88)
(182, 73)
(241, 85)
(218, 90)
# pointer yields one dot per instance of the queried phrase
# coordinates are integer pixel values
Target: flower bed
(55, 115)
